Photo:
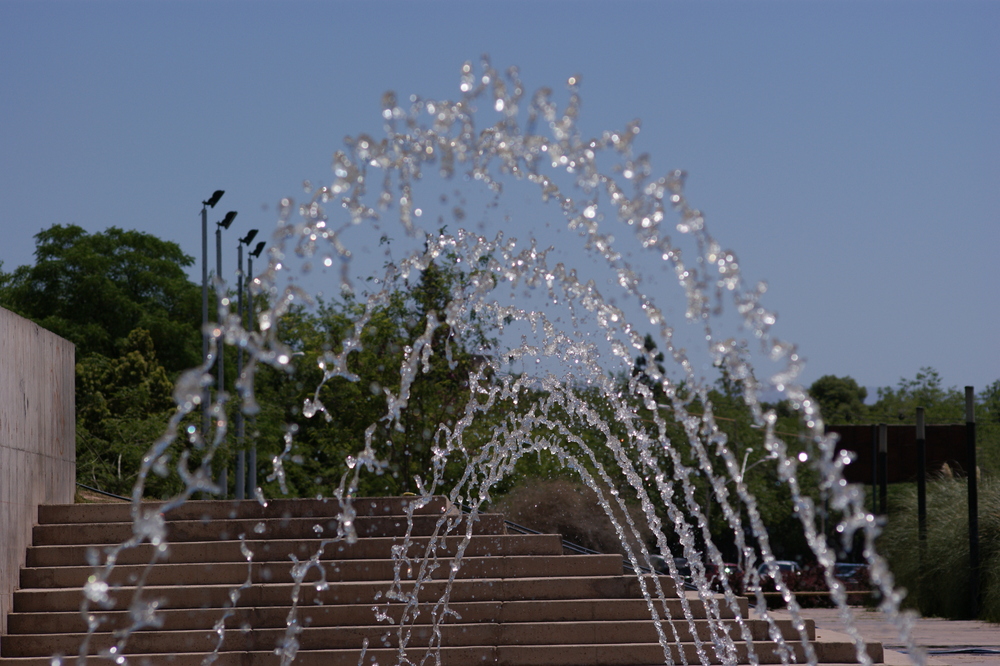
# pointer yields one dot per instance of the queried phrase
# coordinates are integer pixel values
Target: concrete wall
(37, 437)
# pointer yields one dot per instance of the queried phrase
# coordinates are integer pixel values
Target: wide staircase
(223, 586)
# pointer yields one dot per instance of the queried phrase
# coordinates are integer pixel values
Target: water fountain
(654, 438)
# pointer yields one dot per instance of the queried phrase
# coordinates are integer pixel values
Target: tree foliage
(353, 409)
(840, 399)
(899, 405)
(123, 404)
(95, 289)
(123, 299)
(988, 409)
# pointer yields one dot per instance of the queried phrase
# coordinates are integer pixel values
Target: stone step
(515, 599)
(386, 635)
(235, 573)
(575, 610)
(272, 528)
(280, 549)
(610, 654)
(351, 592)
(212, 510)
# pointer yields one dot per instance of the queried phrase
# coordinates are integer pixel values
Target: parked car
(853, 576)
(731, 572)
(680, 563)
(787, 569)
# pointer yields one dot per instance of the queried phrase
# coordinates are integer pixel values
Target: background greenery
(123, 298)
(938, 580)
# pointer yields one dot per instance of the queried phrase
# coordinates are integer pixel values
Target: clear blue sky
(849, 152)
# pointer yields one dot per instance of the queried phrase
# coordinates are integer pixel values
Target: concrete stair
(516, 599)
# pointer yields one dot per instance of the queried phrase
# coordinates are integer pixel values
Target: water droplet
(677, 476)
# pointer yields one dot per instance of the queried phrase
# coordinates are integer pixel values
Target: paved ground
(951, 642)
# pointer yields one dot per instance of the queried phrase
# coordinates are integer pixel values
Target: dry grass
(939, 586)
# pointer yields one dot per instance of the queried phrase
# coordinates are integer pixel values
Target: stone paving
(959, 638)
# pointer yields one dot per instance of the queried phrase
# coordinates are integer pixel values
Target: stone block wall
(37, 437)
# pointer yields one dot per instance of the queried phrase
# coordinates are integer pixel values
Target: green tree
(123, 404)
(94, 289)
(840, 399)
(988, 428)
(899, 405)
(123, 299)
(762, 475)
(641, 366)
(988, 408)
(436, 398)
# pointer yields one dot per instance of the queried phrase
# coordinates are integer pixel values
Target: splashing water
(656, 429)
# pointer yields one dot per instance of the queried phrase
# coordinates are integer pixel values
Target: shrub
(940, 585)
(559, 506)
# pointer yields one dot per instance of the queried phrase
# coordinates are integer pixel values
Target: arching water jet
(593, 397)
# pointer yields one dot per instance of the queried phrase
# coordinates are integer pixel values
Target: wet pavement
(954, 642)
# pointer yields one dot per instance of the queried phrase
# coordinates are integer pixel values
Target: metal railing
(103, 492)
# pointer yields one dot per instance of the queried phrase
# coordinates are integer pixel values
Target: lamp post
(241, 475)
(220, 349)
(743, 470)
(252, 472)
(205, 205)
(219, 226)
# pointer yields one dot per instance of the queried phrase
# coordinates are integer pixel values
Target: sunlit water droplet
(675, 462)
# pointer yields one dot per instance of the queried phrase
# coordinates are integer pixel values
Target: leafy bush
(560, 506)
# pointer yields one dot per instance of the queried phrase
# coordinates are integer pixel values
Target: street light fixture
(214, 199)
(240, 452)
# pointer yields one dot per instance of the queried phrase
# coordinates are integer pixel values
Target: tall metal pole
(220, 351)
(251, 326)
(921, 497)
(883, 468)
(921, 481)
(205, 396)
(973, 485)
(874, 438)
(241, 474)
(221, 386)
